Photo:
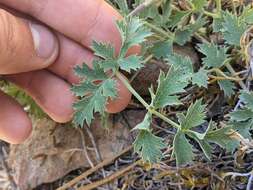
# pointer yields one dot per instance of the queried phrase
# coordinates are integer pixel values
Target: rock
(53, 150)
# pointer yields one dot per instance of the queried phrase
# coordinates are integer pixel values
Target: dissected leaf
(84, 88)
(132, 62)
(227, 86)
(217, 24)
(200, 136)
(241, 120)
(94, 74)
(173, 82)
(133, 32)
(247, 98)
(162, 49)
(194, 117)
(166, 12)
(243, 127)
(233, 28)
(215, 56)
(94, 100)
(177, 16)
(183, 35)
(145, 124)
(107, 64)
(203, 143)
(182, 149)
(247, 15)
(183, 63)
(222, 138)
(157, 13)
(169, 85)
(96, 87)
(149, 146)
(105, 51)
(94, 91)
(200, 78)
(241, 115)
(123, 7)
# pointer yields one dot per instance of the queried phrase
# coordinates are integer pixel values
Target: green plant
(162, 24)
(23, 98)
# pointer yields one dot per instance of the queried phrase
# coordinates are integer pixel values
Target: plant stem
(166, 34)
(132, 90)
(218, 6)
(232, 71)
(144, 103)
(148, 59)
(233, 7)
(201, 38)
(192, 5)
(158, 114)
(214, 15)
(220, 72)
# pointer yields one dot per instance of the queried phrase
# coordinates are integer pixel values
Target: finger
(84, 21)
(15, 125)
(70, 56)
(50, 92)
(24, 46)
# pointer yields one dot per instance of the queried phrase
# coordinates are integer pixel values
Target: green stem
(144, 103)
(201, 38)
(166, 34)
(156, 113)
(218, 10)
(221, 73)
(214, 15)
(148, 59)
(232, 71)
(218, 5)
(192, 5)
(132, 90)
(233, 7)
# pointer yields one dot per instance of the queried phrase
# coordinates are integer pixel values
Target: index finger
(82, 21)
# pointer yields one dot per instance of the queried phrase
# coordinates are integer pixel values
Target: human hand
(75, 25)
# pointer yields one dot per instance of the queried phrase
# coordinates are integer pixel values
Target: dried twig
(96, 149)
(236, 174)
(94, 144)
(92, 170)
(7, 171)
(110, 178)
(142, 7)
(85, 149)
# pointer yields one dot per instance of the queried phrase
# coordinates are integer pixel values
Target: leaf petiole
(214, 15)
(132, 90)
(166, 34)
(144, 103)
(232, 71)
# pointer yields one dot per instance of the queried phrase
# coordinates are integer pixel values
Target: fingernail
(45, 42)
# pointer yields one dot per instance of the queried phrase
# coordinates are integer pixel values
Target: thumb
(24, 46)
